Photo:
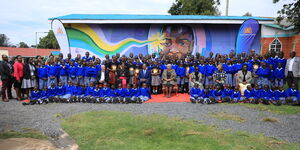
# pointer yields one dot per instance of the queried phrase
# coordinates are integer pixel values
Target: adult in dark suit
(6, 72)
(144, 76)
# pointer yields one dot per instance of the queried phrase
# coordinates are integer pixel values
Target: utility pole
(227, 7)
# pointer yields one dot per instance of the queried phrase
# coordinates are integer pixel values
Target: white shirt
(291, 64)
(102, 76)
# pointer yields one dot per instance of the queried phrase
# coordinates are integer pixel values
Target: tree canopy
(4, 40)
(195, 7)
(291, 12)
(49, 41)
(23, 45)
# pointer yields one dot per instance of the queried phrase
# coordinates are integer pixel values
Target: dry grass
(149, 131)
(227, 116)
(270, 120)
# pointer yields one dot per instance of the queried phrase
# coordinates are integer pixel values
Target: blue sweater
(135, 92)
(227, 93)
(52, 91)
(60, 90)
(89, 91)
(145, 92)
(248, 94)
(236, 94)
(195, 92)
(293, 93)
(63, 70)
(263, 72)
(69, 89)
(52, 70)
(202, 68)
(216, 93)
(206, 94)
(72, 70)
(105, 92)
(80, 70)
(265, 94)
(180, 71)
(42, 72)
(210, 69)
(35, 95)
(279, 73)
(280, 94)
(97, 92)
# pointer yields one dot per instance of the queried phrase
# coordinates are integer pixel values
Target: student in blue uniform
(263, 73)
(76, 92)
(105, 93)
(228, 69)
(248, 94)
(272, 96)
(206, 95)
(43, 76)
(112, 95)
(293, 95)
(281, 95)
(271, 75)
(144, 93)
(120, 94)
(89, 92)
(236, 95)
(127, 94)
(181, 74)
(217, 94)
(60, 91)
(44, 96)
(68, 92)
(257, 94)
(202, 70)
(195, 94)
(210, 69)
(80, 72)
(35, 96)
(96, 94)
(52, 93)
(72, 71)
(52, 72)
(227, 93)
(265, 95)
(279, 75)
(135, 93)
(63, 73)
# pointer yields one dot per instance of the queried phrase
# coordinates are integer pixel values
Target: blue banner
(246, 35)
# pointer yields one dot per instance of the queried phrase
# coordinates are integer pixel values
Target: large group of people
(132, 79)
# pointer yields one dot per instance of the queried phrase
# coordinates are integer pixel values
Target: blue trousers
(42, 83)
(63, 79)
(50, 81)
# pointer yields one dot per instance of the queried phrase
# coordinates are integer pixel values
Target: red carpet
(161, 98)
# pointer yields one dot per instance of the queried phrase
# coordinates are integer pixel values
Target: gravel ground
(15, 116)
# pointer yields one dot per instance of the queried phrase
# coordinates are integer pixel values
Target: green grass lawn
(126, 131)
(283, 109)
(26, 133)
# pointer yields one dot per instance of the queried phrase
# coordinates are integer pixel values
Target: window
(275, 46)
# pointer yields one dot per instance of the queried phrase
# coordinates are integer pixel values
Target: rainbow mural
(170, 39)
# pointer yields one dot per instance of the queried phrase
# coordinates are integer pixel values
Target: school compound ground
(47, 118)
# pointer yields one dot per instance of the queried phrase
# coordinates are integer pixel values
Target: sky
(21, 19)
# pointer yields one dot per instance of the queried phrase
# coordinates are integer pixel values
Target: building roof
(126, 18)
(28, 52)
(291, 27)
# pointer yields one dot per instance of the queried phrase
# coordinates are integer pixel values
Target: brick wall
(287, 45)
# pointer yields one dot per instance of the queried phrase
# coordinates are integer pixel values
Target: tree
(4, 40)
(49, 41)
(291, 12)
(248, 14)
(195, 7)
(23, 45)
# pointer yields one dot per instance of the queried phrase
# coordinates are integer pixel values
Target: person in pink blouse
(18, 74)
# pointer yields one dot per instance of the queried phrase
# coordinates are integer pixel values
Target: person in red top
(18, 74)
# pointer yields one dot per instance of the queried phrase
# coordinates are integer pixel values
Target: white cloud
(20, 19)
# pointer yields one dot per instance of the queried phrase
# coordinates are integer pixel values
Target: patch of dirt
(25, 144)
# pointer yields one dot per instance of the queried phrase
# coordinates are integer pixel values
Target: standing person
(18, 74)
(29, 80)
(169, 77)
(7, 78)
(103, 75)
(155, 78)
(292, 69)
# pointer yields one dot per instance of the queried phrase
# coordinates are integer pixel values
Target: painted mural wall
(170, 39)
